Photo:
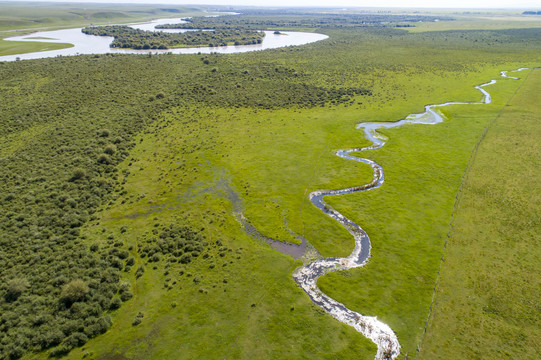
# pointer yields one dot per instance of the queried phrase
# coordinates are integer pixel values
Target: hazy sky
(493, 4)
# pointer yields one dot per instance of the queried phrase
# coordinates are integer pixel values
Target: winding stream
(306, 276)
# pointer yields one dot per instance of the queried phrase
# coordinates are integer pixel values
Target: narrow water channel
(306, 276)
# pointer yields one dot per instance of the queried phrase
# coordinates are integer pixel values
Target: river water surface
(91, 44)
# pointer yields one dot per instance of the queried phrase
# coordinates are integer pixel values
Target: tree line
(126, 37)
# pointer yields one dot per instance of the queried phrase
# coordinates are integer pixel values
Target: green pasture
(486, 304)
(21, 47)
(480, 20)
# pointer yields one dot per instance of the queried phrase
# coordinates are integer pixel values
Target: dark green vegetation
(115, 168)
(487, 304)
(58, 166)
(293, 19)
(127, 37)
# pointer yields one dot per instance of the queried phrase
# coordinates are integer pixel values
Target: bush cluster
(294, 18)
(177, 243)
(127, 37)
(52, 284)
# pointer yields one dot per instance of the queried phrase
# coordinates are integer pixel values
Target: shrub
(115, 303)
(186, 258)
(140, 271)
(138, 319)
(76, 339)
(104, 133)
(124, 286)
(105, 323)
(60, 351)
(104, 159)
(16, 352)
(78, 173)
(15, 288)
(130, 261)
(126, 295)
(75, 290)
(50, 337)
(110, 149)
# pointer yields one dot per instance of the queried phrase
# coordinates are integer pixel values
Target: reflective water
(90, 44)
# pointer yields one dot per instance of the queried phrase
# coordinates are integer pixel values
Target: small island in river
(126, 37)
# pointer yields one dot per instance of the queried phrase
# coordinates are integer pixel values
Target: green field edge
(464, 194)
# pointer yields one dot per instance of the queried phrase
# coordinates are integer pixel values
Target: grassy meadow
(20, 47)
(480, 20)
(408, 221)
(486, 303)
(103, 155)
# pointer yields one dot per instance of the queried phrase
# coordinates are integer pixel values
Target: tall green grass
(408, 217)
(487, 302)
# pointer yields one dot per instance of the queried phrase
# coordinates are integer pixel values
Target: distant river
(90, 44)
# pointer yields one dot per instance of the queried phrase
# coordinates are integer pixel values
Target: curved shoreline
(90, 44)
(306, 276)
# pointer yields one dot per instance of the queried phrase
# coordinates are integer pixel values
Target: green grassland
(487, 303)
(21, 47)
(42, 15)
(480, 20)
(145, 142)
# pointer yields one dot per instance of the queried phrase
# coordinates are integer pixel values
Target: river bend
(91, 44)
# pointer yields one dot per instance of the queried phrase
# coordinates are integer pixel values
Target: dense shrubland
(126, 37)
(258, 20)
(66, 123)
(177, 243)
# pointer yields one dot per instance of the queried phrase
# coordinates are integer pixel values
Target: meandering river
(306, 276)
(90, 44)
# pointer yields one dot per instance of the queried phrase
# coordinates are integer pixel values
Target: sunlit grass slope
(487, 303)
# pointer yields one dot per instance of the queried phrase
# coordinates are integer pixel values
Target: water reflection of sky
(90, 44)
